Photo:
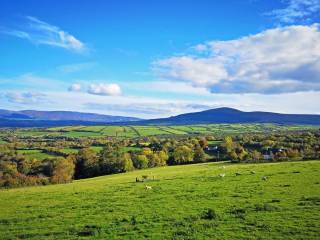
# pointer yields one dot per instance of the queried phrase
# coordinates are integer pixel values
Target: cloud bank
(279, 60)
(102, 89)
(105, 89)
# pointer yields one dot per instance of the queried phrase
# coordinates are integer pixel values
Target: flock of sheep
(221, 175)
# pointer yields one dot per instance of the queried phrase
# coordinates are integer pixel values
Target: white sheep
(253, 172)
(264, 178)
(222, 175)
(238, 174)
(148, 187)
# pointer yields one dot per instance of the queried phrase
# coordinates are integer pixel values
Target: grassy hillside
(185, 202)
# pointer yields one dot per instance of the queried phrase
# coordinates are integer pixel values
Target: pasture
(145, 131)
(184, 202)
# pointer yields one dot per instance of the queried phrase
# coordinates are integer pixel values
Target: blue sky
(152, 58)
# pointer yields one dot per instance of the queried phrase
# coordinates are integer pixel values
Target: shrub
(210, 214)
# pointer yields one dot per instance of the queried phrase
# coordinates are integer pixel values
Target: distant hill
(230, 115)
(32, 118)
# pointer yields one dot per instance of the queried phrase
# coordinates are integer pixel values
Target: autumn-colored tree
(203, 142)
(228, 144)
(182, 154)
(163, 158)
(140, 161)
(62, 169)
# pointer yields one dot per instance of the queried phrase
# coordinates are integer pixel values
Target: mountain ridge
(32, 118)
(38, 117)
(231, 115)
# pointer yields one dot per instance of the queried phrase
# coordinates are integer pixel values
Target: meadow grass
(34, 154)
(150, 130)
(185, 202)
(112, 131)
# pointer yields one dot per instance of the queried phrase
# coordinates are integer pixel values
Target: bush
(210, 214)
(239, 212)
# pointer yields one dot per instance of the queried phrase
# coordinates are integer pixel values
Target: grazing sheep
(264, 178)
(253, 172)
(238, 174)
(222, 175)
(148, 187)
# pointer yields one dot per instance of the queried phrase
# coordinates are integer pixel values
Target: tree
(241, 153)
(62, 169)
(87, 164)
(182, 154)
(293, 153)
(228, 144)
(256, 156)
(163, 158)
(233, 155)
(114, 161)
(154, 160)
(199, 155)
(203, 142)
(140, 161)
(127, 163)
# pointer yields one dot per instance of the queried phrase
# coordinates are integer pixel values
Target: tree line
(16, 170)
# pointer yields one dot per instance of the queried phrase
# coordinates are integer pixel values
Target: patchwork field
(185, 202)
(144, 131)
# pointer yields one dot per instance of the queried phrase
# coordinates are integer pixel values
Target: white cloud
(200, 47)
(105, 89)
(25, 97)
(40, 32)
(296, 10)
(75, 87)
(197, 70)
(278, 60)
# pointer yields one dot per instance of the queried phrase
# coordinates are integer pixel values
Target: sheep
(222, 167)
(264, 178)
(253, 172)
(222, 175)
(148, 187)
(238, 174)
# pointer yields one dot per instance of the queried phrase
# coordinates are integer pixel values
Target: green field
(285, 206)
(145, 131)
(34, 154)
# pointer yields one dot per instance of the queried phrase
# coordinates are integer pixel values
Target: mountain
(32, 118)
(230, 115)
